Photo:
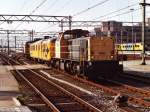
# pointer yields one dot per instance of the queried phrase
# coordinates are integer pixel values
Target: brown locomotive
(75, 52)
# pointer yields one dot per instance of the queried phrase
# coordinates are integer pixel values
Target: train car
(129, 50)
(47, 49)
(43, 50)
(34, 50)
(129, 47)
(27, 49)
(77, 53)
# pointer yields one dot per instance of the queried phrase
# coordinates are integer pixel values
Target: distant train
(75, 52)
(130, 50)
(129, 47)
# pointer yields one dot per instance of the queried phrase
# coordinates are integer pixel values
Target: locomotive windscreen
(77, 33)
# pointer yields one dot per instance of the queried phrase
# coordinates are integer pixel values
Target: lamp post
(143, 32)
(132, 26)
(8, 42)
(132, 33)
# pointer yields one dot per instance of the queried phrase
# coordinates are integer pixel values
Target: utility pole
(121, 36)
(8, 42)
(132, 25)
(143, 31)
(32, 35)
(61, 25)
(1, 45)
(70, 20)
(15, 44)
(133, 43)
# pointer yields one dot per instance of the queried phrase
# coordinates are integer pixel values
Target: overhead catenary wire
(89, 8)
(37, 7)
(122, 13)
(52, 5)
(63, 6)
(116, 11)
(33, 11)
(58, 10)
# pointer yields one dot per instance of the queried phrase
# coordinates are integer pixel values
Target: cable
(115, 11)
(63, 6)
(36, 8)
(85, 10)
(123, 13)
(52, 5)
(33, 11)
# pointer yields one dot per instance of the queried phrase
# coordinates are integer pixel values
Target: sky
(70, 7)
(79, 9)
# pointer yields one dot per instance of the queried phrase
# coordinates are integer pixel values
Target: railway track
(56, 97)
(135, 80)
(135, 100)
(95, 88)
(136, 94)
(60, 98)
(124, 88)
(127, 109)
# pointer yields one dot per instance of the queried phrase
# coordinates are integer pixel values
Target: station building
(124, 33)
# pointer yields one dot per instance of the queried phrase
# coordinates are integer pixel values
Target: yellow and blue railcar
(129, 47)
(129, 50)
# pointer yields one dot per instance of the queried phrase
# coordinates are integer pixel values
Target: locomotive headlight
(112, 57)
(90, 63)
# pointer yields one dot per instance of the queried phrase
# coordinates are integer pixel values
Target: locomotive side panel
(61, 48)
(78, 49)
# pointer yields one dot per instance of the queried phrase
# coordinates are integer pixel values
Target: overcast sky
(70, 7)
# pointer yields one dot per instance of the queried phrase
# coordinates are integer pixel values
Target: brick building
(123, 33)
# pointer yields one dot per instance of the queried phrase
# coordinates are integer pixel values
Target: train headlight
(90, 63)
(111, 57)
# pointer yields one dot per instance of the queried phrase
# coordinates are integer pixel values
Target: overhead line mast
(144, 4)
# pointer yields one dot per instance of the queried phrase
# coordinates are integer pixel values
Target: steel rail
(37, 91)
(125, 108)
(76, 98)
(46, 100)
(133, 100)
(145, 93)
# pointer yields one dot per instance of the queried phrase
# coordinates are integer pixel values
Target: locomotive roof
(77, 32)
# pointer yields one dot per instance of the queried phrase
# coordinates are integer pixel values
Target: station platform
(135, 67)
(7, 80)
(24, 67)
(9, 90)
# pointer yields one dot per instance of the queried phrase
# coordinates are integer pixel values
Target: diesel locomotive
(77, 53)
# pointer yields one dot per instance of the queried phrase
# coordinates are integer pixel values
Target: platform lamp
(132, 32)
(132, 24)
